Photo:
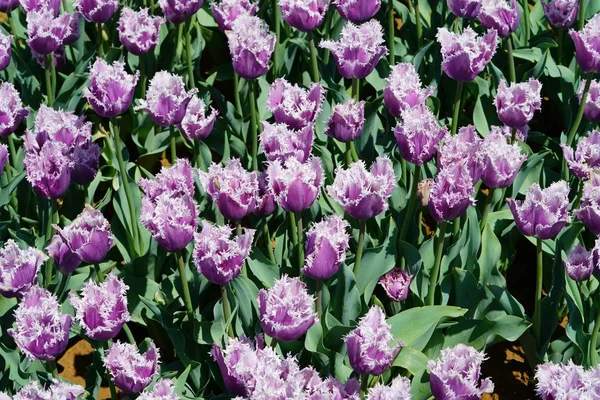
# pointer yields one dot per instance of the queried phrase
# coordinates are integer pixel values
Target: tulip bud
(18, 268)
(579, 264)
(347, 121)
(326, 245)
(396, 284)
(589, 210)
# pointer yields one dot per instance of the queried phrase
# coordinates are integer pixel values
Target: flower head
(592, 103)
(586, 157)
(163, 389)
(561, 13)
(398, 390)
(18, 268)
(64, 259)
(197, 124)
(543, 213)
(565, 381)
(38, 5)
(280, 142)
(465, 145)
(251, 46)
(46, 32)
(57, 390)
(359, 48)
(111, 88)
(5, 50)
(326, 245)
(363, 194)
(589, 210)
(457, 374)
(466, 54)
(357, 10)
(371, 346)
(286, 309)
(347, 121)
(579, 264)
(176, 181)
(177, 11)
(130, 370)
(41, 330)
(6, 6)
(97, 11)
(451, 192)
(138, 30)
(403, 89)
(102, 308)
(219, 257)
(520, 133)
(71, 38)
(396, 284)
(295, 185)
(237, 362)
(304, 15)
(517, 103)
(265, 201)
(166, 99)
(294, 106)
(587, 51)
(418, 135)
(502, 160)
(227, 11)
(464, 8)
(501, 15)
(232, 188)
(49, 169)
(12, 111)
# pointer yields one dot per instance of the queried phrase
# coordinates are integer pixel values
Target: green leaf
(411, 359)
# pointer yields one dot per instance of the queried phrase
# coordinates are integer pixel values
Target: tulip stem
(457, 101)
(198, 155)
(486, 209)
(293, 229)
(179, 48)
(47, 73)
(52, 205)
(581, 21)
(253, 124)
(511, 60)
(355, 89)
(579, 194)
(189, 51)
(51, 368)
(391, 33)
(359, 249)
(111, 385)
(100, 41)
(348, 154)
(411, 203)
(142, 67)
(526, 18)
(576, 123)
(186, 288)
(226, 310)
(276, 22)
(419, 26)
(435, 272)
(320, 298)
(561, 43)
(594, 342)
(268, 243)
(513, 136)
(99, 274)
(537, 313)
(128, 333)
(314, 58)
(173, 144)
(364, 385)
(236, 93)
(300, 242)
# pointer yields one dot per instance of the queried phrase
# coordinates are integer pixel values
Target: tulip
(501, 15)
(451, 192)
(398, 390)
(565, 381)
(304, 15)
(96, 11)
(18, 268)
(3, 157)
(502, 160)
(326, 245)
(176, 181)
(295, 185)
(517, 103)
(64, 259)
(294, 106)
(138, 31)
(579, 264)
(163, 389)
(396, 284)
(466, 145)
(520, 133)
(86, 163)
(49, 169)
(265, 201)
(45, 32)
(418, 135)
(130, 370)
(592, 103)
(236, 362)
(586, 157)
(561, 13)
(251, 46)
(177, 11)
(464, 8)
(196, 123)
(587, 52)
(52, 6)
(12, 111)
(347, 121)
(589, 210)
(5, 50)
(279, 142)
(6, 6)
(357, 10)
(227, 11)
(57, 390)
(403, 90)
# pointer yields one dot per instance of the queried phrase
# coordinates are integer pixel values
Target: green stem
(143, 75)
(561, 43)
(100, 41)
(359, 249)
(53, 76)
(355, 89)
(47, 73)
(457, 101)
(226, 310)
(419, 26)
(594, 342)
(267, 238)
(173, 144)
(128, 333)
(576, 123)
(111, 385)
(253, 125)
(99, 274)
(435, 272)
(236, 93)
(189, 309)
(319, 298)
(579, 194)
(526, 18)
(189, 52)
(420, 226)
(537, 314)
(198, 155)
(513, 136)
(511, 60)
(364, 385)
(179, 48)
(411, 203)
(52, 205)
(276, 22)
(353, 152)
(581, 21)
(486, 208)
(60, 289)
(293, 229)
(348, 154)
(300, 246)
(314, 58)
(391, 33)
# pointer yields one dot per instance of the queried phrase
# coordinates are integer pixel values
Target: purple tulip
(561, 13)
(501, 15)
(294, 106)
(12, 111)
(111, 88)
(227, 11)
(169, 210)
(129, 370)
(3, 157)
(358, 50)
(139, 31)
(71, 38)
(38, 5)
(465, 54)
(6, 6)
(163, 389)
(587, 51)
(102, 308)
(403, 90)
(517, 103)
(451, 192)
(502, 160)
(41, 331)
(304, 15)
(64, 259)
(286, 309)
(236, 362)
(49, 169)
(5, 50)
(57, 390)
(398, 390)
(418, 135)
(579, 265)
(251, 46)
(295, 185)
(592, 103)
(177, 11)
(465, 145)
(520, 133)
(544, 213)
(565, 381)
(326, 245)
(232, 188)
(45, 32)
(218, 257)
(357, 10)
(464, 8)
(347, 121)
(196, 123)
(371, 346)
(18, 268)
(88, 236)
(86, 162)
(586, 157)
(280, 142)
(166, 99)
(396, 284)
(97, 11)
(457, 374)
(363, 194)
(589, 210)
